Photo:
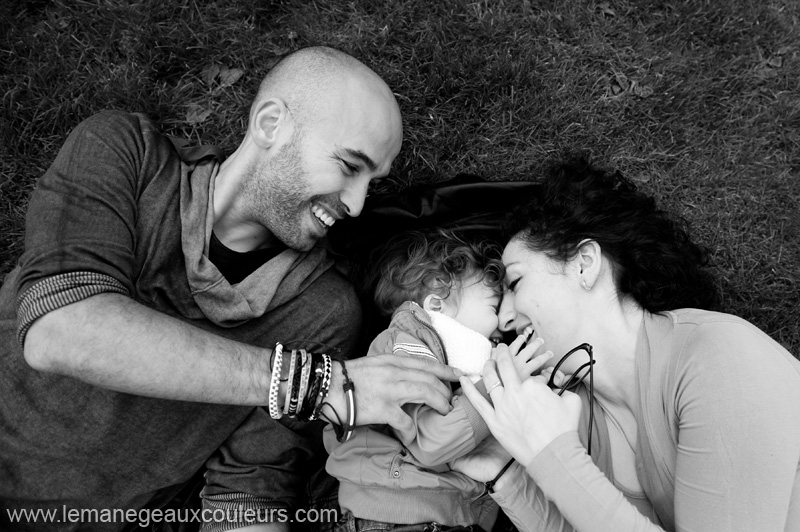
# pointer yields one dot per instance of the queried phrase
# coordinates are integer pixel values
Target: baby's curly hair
(417, 263)
(652, 255)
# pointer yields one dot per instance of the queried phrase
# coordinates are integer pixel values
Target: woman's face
(543, 293)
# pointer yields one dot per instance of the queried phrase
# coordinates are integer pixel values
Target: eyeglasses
(577, 378)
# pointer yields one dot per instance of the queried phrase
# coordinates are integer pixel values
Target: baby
(443, 293)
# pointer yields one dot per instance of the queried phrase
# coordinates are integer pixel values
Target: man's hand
(384, 383)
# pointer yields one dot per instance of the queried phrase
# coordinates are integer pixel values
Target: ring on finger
(498, 383)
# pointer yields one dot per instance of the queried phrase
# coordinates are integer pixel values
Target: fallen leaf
(776, 61)
(526, 6)
(197, 114)
(642, 91)
(292, 35)
(622, 81)
(766, 72)
(210, 73)
(606, 9)
(229, 76)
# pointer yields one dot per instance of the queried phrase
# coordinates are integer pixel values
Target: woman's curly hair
(417, 263)
(653, 258)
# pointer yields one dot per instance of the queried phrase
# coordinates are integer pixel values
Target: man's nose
(506, 315)
(354, 196)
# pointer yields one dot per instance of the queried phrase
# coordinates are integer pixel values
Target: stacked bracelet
(274, 382)
(292, 383)
(308, 379)
(325, 384)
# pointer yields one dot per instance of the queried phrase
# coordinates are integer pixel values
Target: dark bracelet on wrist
(490, 485)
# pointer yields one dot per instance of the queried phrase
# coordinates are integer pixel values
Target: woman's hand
(484, 462)
(526, 361)
(527, 415)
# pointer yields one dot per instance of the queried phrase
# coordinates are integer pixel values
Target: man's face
(322, 174)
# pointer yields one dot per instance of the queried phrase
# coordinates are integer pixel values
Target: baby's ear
(433, 303)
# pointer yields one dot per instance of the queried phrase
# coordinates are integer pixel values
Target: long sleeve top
(718, 440)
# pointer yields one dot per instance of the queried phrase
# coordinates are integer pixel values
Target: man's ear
(433, 303)
(271, 120)
(589, 262)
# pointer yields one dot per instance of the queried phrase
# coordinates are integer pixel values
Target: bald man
(136, 331)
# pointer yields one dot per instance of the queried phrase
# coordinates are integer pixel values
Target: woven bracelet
(274, 382)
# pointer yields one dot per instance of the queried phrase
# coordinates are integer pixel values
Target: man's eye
(350, 169)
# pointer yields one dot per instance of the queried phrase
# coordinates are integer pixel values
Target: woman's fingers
(479, 401)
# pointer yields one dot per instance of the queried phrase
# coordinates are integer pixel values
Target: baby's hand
(559, 380)
(526, 361)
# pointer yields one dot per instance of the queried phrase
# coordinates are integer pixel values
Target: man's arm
(111, 341)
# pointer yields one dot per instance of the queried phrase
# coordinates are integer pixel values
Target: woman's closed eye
(513, 284)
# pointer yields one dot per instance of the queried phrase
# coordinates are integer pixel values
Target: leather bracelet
(490, 485)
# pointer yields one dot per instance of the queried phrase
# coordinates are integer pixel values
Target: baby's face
(477, 308)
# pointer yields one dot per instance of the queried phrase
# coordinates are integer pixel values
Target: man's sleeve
(80, 226)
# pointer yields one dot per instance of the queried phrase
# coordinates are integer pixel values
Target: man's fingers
(433, 393)
(400, 421)
(426, 365)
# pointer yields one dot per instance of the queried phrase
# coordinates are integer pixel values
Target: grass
(696, 100)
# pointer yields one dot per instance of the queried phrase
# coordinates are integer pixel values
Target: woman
(696, 414)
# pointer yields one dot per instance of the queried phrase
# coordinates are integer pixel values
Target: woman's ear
(270, 121)
(433, 303)
(589, 262)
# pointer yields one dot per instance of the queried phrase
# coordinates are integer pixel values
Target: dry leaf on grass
(196, 114)
(229, 76)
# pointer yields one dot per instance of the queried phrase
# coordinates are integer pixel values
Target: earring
(584, 285)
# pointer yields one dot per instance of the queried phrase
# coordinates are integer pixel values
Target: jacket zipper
(435, 334)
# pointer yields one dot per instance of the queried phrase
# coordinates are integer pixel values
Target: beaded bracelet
(274, 382)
